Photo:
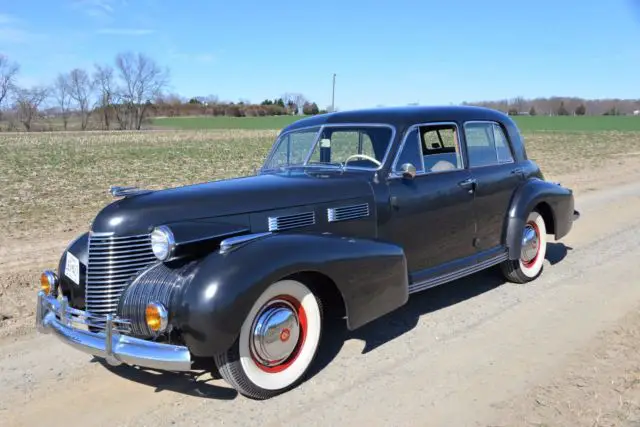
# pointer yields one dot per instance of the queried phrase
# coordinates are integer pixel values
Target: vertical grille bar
(112, 262)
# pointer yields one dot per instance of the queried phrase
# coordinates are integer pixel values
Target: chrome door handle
(469, 183)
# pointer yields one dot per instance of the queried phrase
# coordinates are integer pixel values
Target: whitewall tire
(277, 343)
(532, 254)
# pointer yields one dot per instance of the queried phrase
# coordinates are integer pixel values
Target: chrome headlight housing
(163, 242)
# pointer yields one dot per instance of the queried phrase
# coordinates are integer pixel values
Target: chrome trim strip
(346, 213)
(232, 242)
(123, 263)
(109, 236)
(102, 246)
(53, 317)
(286, 222)
(124, 257)
(98, 234)
(127, 191)
(448, 277)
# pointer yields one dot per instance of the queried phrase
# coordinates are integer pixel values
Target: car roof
(404, 116)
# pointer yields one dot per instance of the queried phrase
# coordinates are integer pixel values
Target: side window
(480, 144)
(411, 153)
(440, 148)
(487, 144)
(502, 145)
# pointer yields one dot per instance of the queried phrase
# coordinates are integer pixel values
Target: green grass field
(526, 123)
(578, 123)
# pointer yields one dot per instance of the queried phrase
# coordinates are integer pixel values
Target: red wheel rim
(284, 334)
(533, 260)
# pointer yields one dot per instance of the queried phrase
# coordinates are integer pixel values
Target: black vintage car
(350, 214)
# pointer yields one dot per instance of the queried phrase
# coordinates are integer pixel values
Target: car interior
(439, 148)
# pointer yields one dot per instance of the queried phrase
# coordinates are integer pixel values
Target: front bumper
(53, 315)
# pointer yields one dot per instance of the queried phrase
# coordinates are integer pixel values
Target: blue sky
(384, 52)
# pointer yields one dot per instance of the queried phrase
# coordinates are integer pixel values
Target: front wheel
(278, 341)
(534, 249)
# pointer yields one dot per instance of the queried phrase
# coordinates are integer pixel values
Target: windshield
(364, 146)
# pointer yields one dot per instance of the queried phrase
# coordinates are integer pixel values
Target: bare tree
(104, 82)
(294, 100)
(28, 103)
(80, 90)
(142, 81)
(211, 99)
(519, 103)
(61, 93)
(8, 72)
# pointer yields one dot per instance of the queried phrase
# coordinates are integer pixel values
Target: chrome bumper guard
(53, 315)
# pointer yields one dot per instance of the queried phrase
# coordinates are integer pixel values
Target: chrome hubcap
(275, 333)
(530, 243)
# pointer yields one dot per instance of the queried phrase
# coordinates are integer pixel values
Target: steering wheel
(362, 156)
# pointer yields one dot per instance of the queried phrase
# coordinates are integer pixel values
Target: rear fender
(554, 202)
(370, 275)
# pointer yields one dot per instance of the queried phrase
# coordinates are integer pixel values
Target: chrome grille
(345, 213)
(285, 222)
(112, 261)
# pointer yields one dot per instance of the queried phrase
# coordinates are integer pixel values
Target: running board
(449, 277)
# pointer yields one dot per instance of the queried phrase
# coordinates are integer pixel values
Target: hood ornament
(127, 191)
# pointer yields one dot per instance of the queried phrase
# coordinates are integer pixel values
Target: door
(491, 163)
(432, 213)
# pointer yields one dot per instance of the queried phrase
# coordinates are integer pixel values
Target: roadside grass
(221, 122)
(58, 182)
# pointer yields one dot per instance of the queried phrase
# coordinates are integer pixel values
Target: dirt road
(563, 350)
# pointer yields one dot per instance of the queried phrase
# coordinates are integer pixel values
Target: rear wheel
(278, 342)
(534, 249)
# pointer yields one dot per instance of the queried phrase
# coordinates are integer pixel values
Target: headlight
(156, 317)
(162, 242)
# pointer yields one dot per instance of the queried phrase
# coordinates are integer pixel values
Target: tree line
(123, 95)
(127, 93)
(563, 106)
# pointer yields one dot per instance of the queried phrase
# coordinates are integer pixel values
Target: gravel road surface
(477, 351)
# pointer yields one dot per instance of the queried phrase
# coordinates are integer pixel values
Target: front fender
(371, 276)
(556, 204)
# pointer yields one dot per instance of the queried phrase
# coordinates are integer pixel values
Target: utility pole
(333, 94)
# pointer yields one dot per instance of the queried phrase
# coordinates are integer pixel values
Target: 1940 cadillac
(350, 213)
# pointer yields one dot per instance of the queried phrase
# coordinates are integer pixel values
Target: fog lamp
(48, 282)
(157, 317)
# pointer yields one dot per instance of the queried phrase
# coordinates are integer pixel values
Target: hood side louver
(285, 222)
(345, 213)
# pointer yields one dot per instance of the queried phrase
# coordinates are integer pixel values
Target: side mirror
(408, 171)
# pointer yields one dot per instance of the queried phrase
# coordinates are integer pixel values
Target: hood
(229, 198)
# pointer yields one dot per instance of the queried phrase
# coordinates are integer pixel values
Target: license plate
(72, 268)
